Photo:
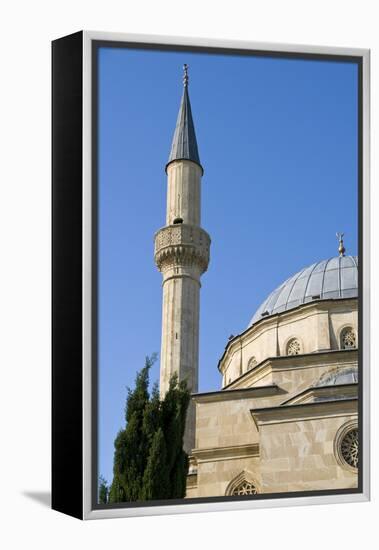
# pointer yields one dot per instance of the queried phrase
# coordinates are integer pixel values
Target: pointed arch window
(245, 488)
(242, 484)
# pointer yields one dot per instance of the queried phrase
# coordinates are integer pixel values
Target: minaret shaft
(183, 192)
(182, 255)
(180, 331)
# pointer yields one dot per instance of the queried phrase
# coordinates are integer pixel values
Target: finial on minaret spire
(185, 76)
(184, 144)
(341, 248)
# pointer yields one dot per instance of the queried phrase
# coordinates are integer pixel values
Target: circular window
(245, 488)
(346, 446)
(349, 448)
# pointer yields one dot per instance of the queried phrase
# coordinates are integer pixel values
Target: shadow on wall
(41, 497)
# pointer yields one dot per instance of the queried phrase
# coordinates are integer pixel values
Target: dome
(333, 278)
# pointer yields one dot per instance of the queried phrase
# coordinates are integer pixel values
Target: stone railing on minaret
(182, 255)
(181, 245)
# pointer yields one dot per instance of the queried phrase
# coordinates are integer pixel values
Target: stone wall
(300, 456)
(214, 477)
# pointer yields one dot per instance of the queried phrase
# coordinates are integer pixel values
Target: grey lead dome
(333, 278)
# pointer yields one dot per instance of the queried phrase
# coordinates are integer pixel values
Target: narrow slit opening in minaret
(178, 220)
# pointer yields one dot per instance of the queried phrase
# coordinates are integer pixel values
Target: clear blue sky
(278, 142)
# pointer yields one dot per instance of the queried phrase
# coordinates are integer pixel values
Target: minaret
(182, 255)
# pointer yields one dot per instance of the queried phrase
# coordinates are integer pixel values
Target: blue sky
(278, 142)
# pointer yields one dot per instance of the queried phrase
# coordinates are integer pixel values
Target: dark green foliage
(103, 490)
(116, 491)
(149, 461)
(136, 399)
(156, 483)
(152, 414)
(173, 411)
(178, 480)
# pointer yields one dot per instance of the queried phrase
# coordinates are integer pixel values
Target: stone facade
(316, 326)
(276, 424)
(298, 453)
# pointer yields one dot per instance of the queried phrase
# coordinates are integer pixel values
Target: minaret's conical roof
(184, 144)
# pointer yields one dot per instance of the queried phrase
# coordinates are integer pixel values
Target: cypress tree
(179, 475)
(156, 482)
(151, 417)
(174, 410)
(149, 461)
(103, 490)
(116, 491)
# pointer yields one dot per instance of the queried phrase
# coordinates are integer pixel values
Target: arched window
(251, 363)
(348, 339)
(336, 376)
(245, 488)
(242, 485)
(293, 347)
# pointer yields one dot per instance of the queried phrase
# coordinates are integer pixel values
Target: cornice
(290, 362)
(304, 411)
(335, 390)
(226, 453)
(240, 393)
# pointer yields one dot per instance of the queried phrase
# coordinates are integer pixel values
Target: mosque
(286, 416)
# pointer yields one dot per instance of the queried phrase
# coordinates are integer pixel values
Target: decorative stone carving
(293, 347)
(348, 338)
(192, 467)
(181, 245)
(349, 448)
(242, 485)
(346, 446)
(252, 363)
(245, 488)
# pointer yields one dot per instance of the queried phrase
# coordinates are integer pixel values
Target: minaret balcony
(182, 244)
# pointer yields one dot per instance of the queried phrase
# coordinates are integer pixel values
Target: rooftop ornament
(185, 76)
(341, 248)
